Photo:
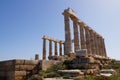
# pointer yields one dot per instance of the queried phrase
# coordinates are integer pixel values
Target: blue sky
(24, 22)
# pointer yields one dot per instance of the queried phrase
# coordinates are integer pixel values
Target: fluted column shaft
(82, 37)
(104, 49)
(44, 49)
(68, 40)
(92, 42)
(87, 35)
(60, 48)
(76, 36)
(50, 47)
(56, 52)
(99, 45)
(96, 44)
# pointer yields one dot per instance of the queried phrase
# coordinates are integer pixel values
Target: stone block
(31, 62)
(20, 73)
(30, 67)
(19, 62)
(19, 77)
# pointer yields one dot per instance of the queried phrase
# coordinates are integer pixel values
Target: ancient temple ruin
(87, 48)
(85, 39)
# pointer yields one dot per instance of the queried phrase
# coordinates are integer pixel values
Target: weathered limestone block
(19, 77)
(17, 67)
(48, 63)
(10, 68)
(18, 62)
(31, 62)
(22, 67)
(30, 67)
(20, 73)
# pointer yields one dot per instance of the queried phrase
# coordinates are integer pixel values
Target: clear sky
(24, 22)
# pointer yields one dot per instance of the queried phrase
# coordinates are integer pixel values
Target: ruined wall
(21, 69)
(16, 69)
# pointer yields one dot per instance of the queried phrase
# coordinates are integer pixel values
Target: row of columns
(51, 40)
(84, 36)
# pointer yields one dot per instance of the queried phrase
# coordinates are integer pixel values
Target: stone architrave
(56, 52)
(87, 35)
(76, 36)
(50, 47)
(68, 40)
(82, 36)
(44, 48)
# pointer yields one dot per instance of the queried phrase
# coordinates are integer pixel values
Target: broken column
(36, 56)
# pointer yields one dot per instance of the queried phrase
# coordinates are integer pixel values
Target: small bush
(52, 75)
(35, 77)
(66, 77)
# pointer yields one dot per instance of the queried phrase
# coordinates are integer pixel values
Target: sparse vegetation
(52, 72)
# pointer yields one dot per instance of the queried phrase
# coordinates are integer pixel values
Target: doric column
(82, 36)
(99, 45)
(44, 48)
(76, 35)
(56, 52)
(68, 40)
(104, 49)
(96, 44)
(92, 42)
(60, 47)
(87, 35)
(50, 47)
(36, 56)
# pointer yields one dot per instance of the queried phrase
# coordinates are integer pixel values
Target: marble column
(56, 52)
(50, 47)
(99, 45)
(104, 49)
(82, 36)
(44, 48)
(92, 42)
(60, 48)
(76, 36)
(68, 40)
(96, 43)
(36, 56)
(87, 35)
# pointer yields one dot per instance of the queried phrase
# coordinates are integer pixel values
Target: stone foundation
(21, 69)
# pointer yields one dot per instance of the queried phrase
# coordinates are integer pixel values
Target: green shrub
(66, 76)
(35, 77)
(52, 75)
(42, 73)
